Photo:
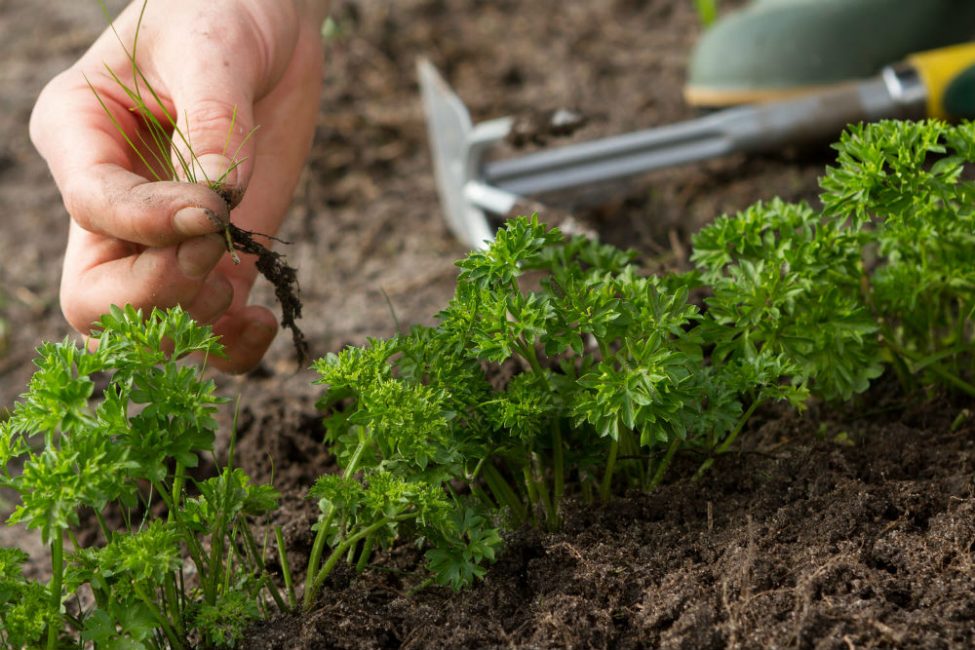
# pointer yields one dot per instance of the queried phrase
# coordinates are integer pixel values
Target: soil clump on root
(273, 266)
(275, 269)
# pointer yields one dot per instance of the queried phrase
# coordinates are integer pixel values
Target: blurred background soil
(802, 542)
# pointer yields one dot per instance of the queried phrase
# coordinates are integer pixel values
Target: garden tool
(938, 83)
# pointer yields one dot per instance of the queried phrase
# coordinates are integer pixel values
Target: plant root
(271, 265)
(274, 267)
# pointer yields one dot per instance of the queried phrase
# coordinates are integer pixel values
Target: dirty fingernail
(196, 257)
(217, 169)
(195, 221)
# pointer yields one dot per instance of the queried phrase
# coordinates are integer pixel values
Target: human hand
(223, 67)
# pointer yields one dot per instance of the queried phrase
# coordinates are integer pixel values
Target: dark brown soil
(801, 540)
(831, 530)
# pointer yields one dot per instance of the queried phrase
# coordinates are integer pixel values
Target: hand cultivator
(939, 84)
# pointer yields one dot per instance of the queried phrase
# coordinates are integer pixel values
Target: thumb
(215, 141)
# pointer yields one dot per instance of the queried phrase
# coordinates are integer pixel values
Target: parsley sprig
(559, 368)
(117, 453)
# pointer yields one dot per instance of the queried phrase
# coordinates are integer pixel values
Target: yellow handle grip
(938, 69)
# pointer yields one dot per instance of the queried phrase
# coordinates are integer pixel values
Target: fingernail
(217, 169)
(196, 257)
(195, 221)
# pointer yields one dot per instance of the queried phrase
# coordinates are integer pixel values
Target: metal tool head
(457, 148)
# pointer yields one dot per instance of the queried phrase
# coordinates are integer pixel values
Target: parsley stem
(558, 471)
(315, 558)
(665, 463)
(953, 379)
(318, 548)
(285, 568)
(933, 366)
(57, 577)
(503, 492)
(723, 447)
(538, 475)
(178, 478)
(533, 500)
(106, 531)
(365, 554)
(527, 351)
(344, 545)
(173, 602)
(250, 544)
(167, 629)
(607, 483)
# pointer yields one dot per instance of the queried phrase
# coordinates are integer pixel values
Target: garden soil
(842, 527)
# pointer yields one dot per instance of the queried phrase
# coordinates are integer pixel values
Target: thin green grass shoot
(165, 150)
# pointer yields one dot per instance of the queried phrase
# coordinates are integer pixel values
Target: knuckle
(208, 123)
(43, 115)
(74, 308)
(75, 193)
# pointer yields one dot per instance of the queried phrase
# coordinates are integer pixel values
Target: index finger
(95, 168)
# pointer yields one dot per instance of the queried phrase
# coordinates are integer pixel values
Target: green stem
(195, 549)
(529, 482)
(585, 487)
(343, 547)
(211, 586)
(174, 639)
(723, 447)
(607, 483)
(475, 487)
(285, 568)
(630, 448)
(252, 548)
(952, 379)
(364, 555)
(935, 368)
(257, 554)
(318, 548)
(538, 474)
(106, 531)
(420, 587)
(503, 492)
(664, 463)
(528, 352)
(57, 578)
(178, 478)
(173, 604)
(558, 470)
(707, 11)
(315, 559)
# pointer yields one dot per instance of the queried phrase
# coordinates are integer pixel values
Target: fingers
(141, 241)
(194, 275)
(99, 272)
(246, 335)
(111, 201)
(95, 169)
(213, 80)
